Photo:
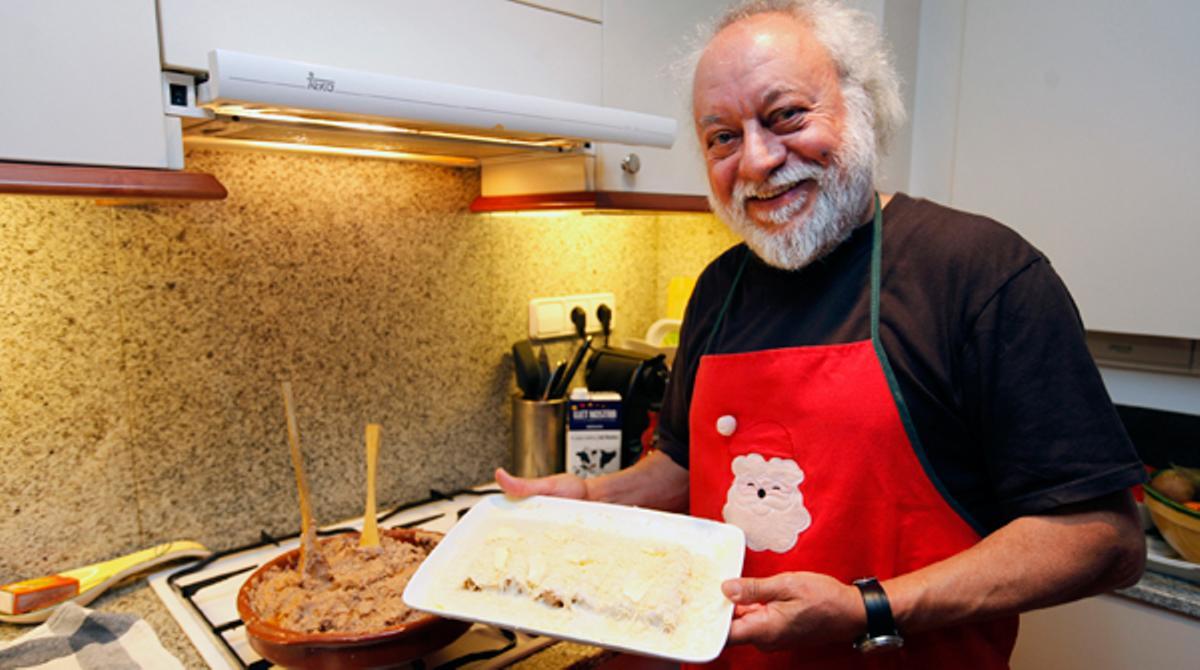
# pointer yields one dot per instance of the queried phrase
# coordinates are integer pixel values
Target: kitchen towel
(77, 638)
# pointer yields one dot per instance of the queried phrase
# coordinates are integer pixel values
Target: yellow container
(1178, 525)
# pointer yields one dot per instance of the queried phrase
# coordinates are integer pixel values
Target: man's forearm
(1032, 562)
(655, 481)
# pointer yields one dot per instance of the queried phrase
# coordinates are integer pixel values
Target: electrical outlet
(551, 317)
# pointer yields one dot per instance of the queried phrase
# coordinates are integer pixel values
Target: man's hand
(562, 485)
(655, 481)
(794, 609)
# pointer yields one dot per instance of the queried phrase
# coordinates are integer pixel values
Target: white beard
(843, 188)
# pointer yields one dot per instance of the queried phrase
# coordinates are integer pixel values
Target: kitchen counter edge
(1166, 592)
(1155, 589)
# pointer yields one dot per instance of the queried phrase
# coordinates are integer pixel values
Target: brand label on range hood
(317, 84)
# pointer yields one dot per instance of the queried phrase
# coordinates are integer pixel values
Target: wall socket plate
(551, 317)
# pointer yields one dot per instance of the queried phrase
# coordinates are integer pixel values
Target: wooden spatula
(370, 531)
(312, 561)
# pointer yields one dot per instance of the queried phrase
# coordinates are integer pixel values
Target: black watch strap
(881, 627)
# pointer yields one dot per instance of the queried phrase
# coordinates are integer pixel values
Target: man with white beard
(893, 399)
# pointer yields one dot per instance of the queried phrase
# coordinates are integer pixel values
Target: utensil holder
(538, 436)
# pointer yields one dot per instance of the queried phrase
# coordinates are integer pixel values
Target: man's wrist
(880, 632)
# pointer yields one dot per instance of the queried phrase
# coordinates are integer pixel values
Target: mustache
(785, 177)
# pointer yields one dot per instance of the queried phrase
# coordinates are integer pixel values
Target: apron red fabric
(806, 450)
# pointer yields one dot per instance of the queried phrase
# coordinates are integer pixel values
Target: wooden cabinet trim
(100, 182)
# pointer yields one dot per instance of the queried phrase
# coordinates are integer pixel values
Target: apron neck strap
(876, 267)
(876, 264)
(712, 333)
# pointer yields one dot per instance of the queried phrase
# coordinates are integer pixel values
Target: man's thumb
(751, 590)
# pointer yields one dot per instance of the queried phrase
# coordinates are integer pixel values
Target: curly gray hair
(854, 42)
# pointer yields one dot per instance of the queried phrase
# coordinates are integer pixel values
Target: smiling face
(790, 153)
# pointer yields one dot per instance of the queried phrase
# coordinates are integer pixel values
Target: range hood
(259, 102)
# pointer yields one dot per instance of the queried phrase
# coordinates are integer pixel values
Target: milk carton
(593, 432)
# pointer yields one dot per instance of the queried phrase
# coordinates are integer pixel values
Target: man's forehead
(761, 40)
(766, 32)
(750, 64)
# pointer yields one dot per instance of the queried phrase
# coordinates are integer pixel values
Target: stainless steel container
(538, 434)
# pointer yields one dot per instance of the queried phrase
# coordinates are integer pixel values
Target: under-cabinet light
(222, 143)
(282, 117)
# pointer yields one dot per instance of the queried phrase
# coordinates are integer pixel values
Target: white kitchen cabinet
(1077, 127)
(82, 86)
(641, 43)
(592, 10)
(1106, 633)
(496, 44)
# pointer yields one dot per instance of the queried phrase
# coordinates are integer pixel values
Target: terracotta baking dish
(351, 651)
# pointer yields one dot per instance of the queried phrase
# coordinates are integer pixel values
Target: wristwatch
(881, 627)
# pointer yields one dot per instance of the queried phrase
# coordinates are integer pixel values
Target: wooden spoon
(312, 561)
(370, 531)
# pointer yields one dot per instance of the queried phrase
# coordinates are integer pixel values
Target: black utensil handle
(543, 381)
(553, 382)
(526, 367)
(565, 383)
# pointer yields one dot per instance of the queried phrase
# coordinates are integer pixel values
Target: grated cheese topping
(575, 580)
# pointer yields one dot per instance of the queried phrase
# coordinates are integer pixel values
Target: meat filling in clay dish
(360, 593)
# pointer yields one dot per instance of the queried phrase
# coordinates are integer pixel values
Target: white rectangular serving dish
(437, 588)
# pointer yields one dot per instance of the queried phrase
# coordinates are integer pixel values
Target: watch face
(880, 643)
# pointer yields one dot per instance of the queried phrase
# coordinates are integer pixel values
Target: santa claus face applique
(765, 502)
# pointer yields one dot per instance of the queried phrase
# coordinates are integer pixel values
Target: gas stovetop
(202, 596)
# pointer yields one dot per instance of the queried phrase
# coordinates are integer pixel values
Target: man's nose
(762, 153)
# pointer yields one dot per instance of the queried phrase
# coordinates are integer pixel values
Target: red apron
(806, 450)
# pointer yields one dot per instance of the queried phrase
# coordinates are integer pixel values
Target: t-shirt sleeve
(672, 432)
(698, 318)
(673, 420)
(1049, 431)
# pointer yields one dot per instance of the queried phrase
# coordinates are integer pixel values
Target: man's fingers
(560, 485)
(743, 610)
(750, 625)
(513, 486)
(750, 590)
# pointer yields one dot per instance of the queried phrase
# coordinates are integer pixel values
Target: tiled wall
(141, 347)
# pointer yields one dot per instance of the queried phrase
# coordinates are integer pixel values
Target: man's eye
(787, 117)
(720, 138)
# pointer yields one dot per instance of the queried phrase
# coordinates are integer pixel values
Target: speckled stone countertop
(1166, 592)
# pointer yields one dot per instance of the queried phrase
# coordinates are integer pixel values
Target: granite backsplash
(141, 346)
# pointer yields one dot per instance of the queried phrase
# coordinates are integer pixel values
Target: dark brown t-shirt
(985, 341)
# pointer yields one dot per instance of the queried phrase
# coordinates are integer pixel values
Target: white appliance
(202, 597)
(261, 102)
